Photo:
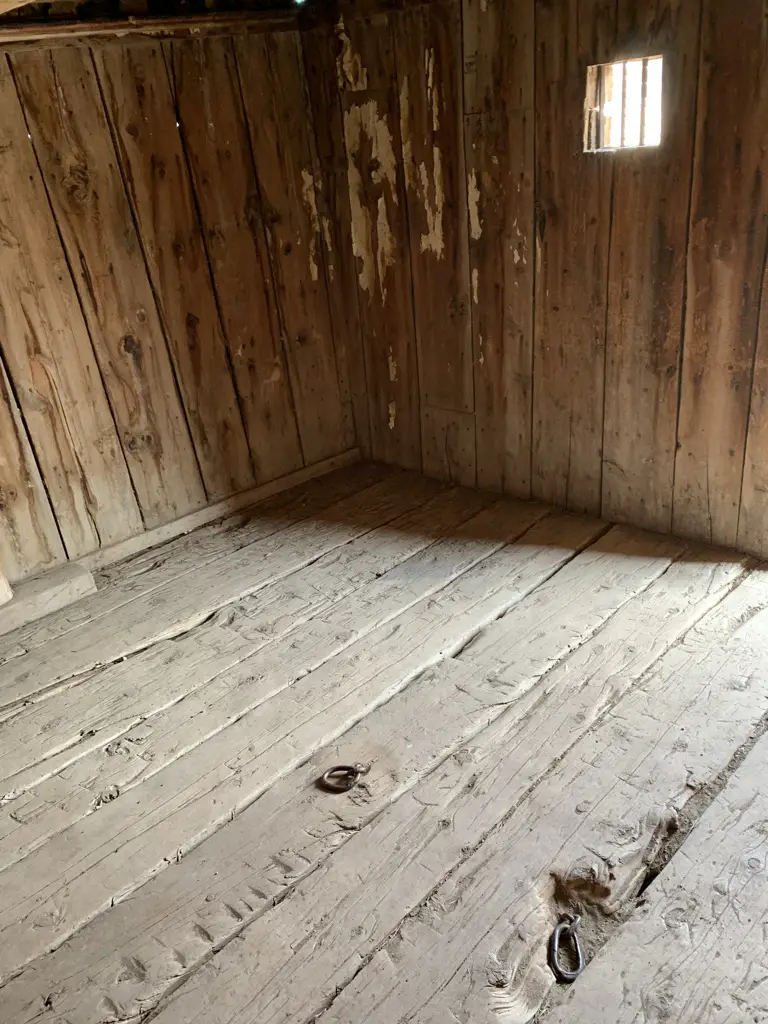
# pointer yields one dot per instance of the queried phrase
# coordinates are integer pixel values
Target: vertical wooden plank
(319, 47)
(29, 539)
(69, 130)
(428, 49)
(753, 514)
(499, 128)
(49, 356)
(140, 107)
(274, 93)
(448, 444)
(726, 253)
(572, 232)
(216, 139)
(647, 274)
(366, 73)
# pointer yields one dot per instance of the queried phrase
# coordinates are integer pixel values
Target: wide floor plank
(127, 722)
(695, 952)
(362, 901)
(106, 855)
(187, 600)
(534, 696)
(137, 577)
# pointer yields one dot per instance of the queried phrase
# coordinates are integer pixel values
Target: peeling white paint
(385, 246)
(364, 121)
(475, 285)
(483, 5)
(308, 195)
(392, 412)
(481, 360)
(350, 70)
(392, 365)
(516, 256)
(433, 93)
(433, 240)
(274, 377)
(405, 133)
(473, 194)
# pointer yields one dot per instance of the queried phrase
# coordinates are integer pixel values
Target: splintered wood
(531, 693)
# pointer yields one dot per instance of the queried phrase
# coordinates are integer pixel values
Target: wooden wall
(586, 329)
(168, 336)
(227, 257)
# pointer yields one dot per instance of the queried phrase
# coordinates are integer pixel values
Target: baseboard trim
(229, 506)
(38, 596)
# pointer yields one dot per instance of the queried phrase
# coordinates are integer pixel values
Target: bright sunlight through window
(623, 105)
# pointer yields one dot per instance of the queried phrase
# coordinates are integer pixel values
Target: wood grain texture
(29, 537)
(380, 237)
(649, 235)
(726, 259)
(49, 358)
(237, 763)
(695, 950)
(428, 41)
(274, 92)
(319, 48)
(573, 200)
(423, 832)
(753, 510)
(141, 112)
(69, 129)
(185, 599)
(448, 445)
(499, 133)
(478, 941)
(215, 135)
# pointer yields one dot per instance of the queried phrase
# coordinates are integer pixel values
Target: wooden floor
(555, 714)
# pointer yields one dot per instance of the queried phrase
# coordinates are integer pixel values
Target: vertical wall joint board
(49, 356)
(68, 126)
(140, 106)
(274, 92)
(367, 79)
(646, 276)
(216, 142)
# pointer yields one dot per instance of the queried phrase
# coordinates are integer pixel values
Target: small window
(623, 105)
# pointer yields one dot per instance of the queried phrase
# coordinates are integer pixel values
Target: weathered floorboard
(171, 811)
(454, 807)
(478, 940)
(147, 699)
(140, 110)
(400, 754)
(695, 951)
(184, 601)
(136, 577)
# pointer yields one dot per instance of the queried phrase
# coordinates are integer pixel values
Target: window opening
(622, 109)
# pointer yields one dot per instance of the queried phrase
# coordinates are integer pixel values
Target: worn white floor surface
(544, 703)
